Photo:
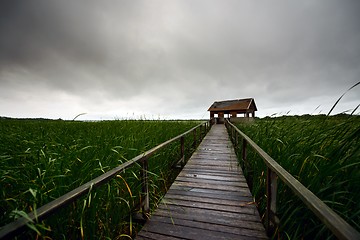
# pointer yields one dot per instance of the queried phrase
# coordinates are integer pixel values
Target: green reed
(323, 153)
(42, 160)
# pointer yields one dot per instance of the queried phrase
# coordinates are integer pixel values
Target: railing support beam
(182, 151)
(271, 192)
(145, 188)
(243, 151)
(195, 140)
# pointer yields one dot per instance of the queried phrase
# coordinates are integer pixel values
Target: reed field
(323, 153)
(41, 160)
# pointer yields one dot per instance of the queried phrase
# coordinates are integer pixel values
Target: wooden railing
(338, 226)
(13, 229)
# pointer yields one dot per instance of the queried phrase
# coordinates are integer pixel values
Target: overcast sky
(164, 59)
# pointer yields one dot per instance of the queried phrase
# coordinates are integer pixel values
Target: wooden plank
(213, 219)
(225, 171)
(232, 181)
(154, 236)
(186, 232)
(212, 179)
(214, 161)
(239, 192)
(213, 227)
(173, 211)
(243, 202)
(221, 154)
(210, 172)
(214, 167)
(210, 185)
(234, 177)
(209, 199)
(245, 209)
(238, 197)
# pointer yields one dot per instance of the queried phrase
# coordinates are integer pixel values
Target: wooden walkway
(210, 198)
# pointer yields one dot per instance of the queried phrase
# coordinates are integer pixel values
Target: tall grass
(42, 160)
(323, 153)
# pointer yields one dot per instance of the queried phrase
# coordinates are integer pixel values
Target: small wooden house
(235, 110)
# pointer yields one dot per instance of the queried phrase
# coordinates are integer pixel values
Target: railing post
(182, 150)
(236, 140)
(233, 134)
(243, 151)
(271, 191)
(194, 142)
(246, 165)
(145, 188)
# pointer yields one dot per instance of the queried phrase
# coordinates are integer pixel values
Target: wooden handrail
(338, 226)
(16, 227)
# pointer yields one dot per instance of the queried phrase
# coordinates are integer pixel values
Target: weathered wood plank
(186, 232)
(243, 202)
(239, 192)
(209, 199)
(213, 219)
(173, 211)
(210, 185)
(154, 236)
(219, 168)
(211, 177)
(246, 209)
(232, 181)
(210, 172)
(214, 162)
(235, 197)
(212, 226)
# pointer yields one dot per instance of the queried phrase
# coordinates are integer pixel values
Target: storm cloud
(172, 59)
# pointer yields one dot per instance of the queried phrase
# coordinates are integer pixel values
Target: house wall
(219, 117)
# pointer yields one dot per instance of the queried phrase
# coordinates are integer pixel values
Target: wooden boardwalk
(210, 198)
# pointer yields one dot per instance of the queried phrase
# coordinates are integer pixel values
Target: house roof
(233, 105)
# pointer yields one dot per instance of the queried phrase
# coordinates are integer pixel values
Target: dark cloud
(176, 57)
(34, 31)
